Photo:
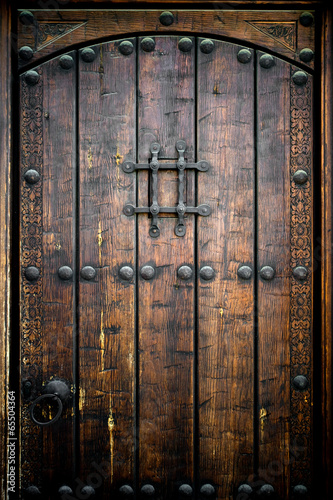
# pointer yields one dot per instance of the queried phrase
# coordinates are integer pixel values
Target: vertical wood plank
(165, 306)
(107, 124)
(225, 242)
(273, 135)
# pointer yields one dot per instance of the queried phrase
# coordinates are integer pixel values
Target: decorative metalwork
(31, 257)
(301, 291)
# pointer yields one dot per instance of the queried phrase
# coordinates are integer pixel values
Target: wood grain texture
(107, 123)
(225, 242)
(238, 24)
(5, 224)
(273, 184)
(166, 303)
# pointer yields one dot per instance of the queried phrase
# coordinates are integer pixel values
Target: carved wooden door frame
(9, 191)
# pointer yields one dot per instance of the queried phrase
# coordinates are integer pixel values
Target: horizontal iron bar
(203, 210)
(129, 167)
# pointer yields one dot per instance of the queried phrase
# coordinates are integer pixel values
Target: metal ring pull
(38, 400)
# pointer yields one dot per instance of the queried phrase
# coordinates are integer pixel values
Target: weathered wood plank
(226, 242)
(273, 135)
(165, 308)
(107, 124)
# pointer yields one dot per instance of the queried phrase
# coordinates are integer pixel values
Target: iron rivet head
(148, 490)
(65, 273)
(88, 55)
(126, 48)
(306, 19)
(306, 55)
(300, 272)
(126, 491)
(207, 490)
(245, 488)
(300, 78)
(185, 490)
(31, 273)
(244, 56)
(26, 53)
(147, 272)
(207, 273)
(66, 62)
(266, 61)
(300, 177)
(88, 273)
(166, 18)
(128, 210)
(32, 491)
(31, 77)
(148, 44)
(126, 273)
(267, 273)
(184, 273)
(154, 232)
(185, 44)
(245, 272)
(26, 17)
(207, 46)
(65, 490)
(31, 176)
(300, 491)
(266, 491)
(88, 492)
(300, 382)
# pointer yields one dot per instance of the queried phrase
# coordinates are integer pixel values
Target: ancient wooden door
(166, 271)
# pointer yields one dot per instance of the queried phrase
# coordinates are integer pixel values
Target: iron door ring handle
(38, 400)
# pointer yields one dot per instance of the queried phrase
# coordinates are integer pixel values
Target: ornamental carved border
(301, 290)
(31, 291)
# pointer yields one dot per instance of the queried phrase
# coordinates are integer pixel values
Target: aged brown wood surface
(107, 124)
(271, 30)
(225, 242)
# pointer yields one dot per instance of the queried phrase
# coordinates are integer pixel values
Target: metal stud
(245, 272)
(245, 488)
(147, 272)
(266, 491)
(300, 272)
(148, 44)
(167, 18)
(26, 53)
(31, 176)
(126, 273)
(185, 44)
(207, 273)
(126, 48)
(65, 273)
(26, 17)
(266, 61)
(244, 56)
(126, 491)
(300, 78)
(32, 492)
(300, 491)
(300, 177)
(207, 46)
(184, 273)
(88, 55)
(300, 382)
(306, 19)
(88, 492)
(147, 491)
(31, 273)
(88, 273)
(185, 491)
(31, 77)
(207, 491)
(267, 273)
(65, 490)
(306, 55)
(66, 62)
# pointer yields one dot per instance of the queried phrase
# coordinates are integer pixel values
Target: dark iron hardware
(181, 209)
(55, 390)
